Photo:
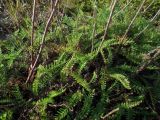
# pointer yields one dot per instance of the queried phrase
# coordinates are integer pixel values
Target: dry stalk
(122, 8)
(132, 21)
(149, 6)
(51, 4)
(111, 4)
(154, 17)
(110, 113)
(42, 41)
(32, 34)
(94, 26)
(101, 33)
(108, 23)
(149, 58)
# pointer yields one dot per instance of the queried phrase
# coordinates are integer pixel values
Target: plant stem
(152, 55)
(94, 26)
(122, 9)
(149, 5)
(108, 23)
(42, 41)
(110, 113)
(154, 17)
(32, 34)
(134, 18)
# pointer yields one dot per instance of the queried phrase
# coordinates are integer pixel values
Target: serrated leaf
(122, 79)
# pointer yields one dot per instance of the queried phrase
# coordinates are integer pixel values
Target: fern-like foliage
(122, 79)
(73, 78)
(72, 102)
(41, 105)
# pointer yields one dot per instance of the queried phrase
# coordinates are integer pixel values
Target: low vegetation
(80, 60)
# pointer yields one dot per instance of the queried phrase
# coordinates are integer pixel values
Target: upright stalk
(134, 18)
(94, 26)
(32, 33)
(154, 17)
(108, 23)
(149, 5)
(42, 41)
(122, 10)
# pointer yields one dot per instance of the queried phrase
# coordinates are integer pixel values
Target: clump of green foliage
(78, 76)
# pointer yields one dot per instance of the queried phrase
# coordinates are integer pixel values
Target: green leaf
(81, 81)
(122, 79)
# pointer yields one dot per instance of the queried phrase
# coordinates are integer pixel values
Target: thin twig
(51, 4)
(154, 17)
(111, 4)
(110, 113)
(101, 33)
(32, 34)
(108, 23)
(42, 42)
(149, 6)
(151, 56)
(94, 26)
(134, 18)
(122, 9)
